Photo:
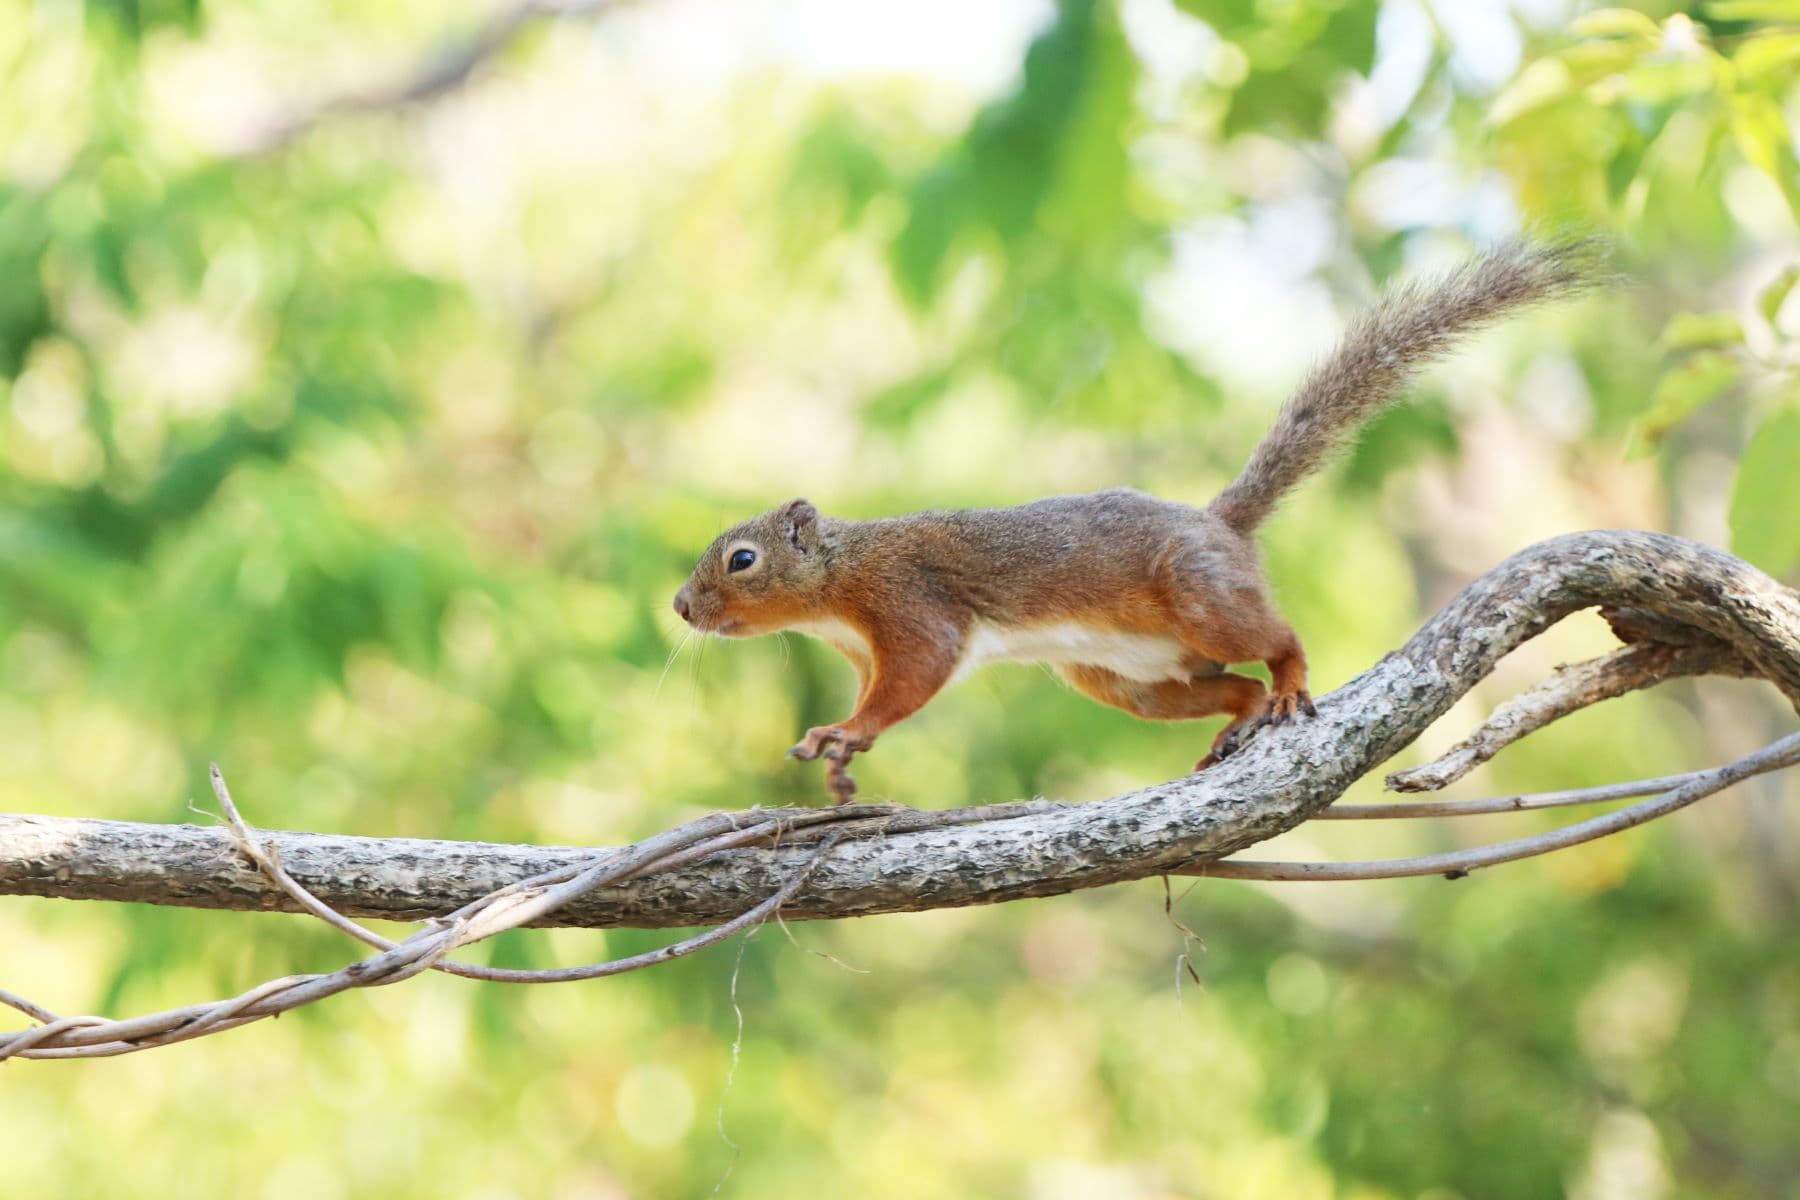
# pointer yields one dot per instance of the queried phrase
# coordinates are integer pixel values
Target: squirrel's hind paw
(1281, 707)
(1286, 705)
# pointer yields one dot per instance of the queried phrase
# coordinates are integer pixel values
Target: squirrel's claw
(817, 739)
(837, 747)
(1229, 743)
(837, 779)
(1281, 708)
(1230, 740)
(1287, 705)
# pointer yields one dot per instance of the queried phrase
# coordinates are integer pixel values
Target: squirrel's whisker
(670, 661)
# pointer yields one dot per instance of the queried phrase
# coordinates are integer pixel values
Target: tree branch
(734, 870)
(1572, 688)
(507, 908)
(1455, 864)
(442, 71)
(897, 859)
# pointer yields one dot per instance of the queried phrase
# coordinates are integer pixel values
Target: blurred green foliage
(367, 466)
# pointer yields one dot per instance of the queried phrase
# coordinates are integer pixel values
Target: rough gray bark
(893, 859)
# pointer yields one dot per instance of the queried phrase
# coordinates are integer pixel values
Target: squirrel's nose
(681, 605)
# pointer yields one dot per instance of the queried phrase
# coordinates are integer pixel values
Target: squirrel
(1138, 602)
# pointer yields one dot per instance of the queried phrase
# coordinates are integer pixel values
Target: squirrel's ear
(798, 524)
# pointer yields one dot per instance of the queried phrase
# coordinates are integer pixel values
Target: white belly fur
(1138, 656)
(837, 634)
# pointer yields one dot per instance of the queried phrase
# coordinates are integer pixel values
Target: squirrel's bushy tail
(1380, 353)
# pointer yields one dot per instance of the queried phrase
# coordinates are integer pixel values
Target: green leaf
(1771, 298)
(1658, 83)
(1093, 168)
(1762, 135)
(997, 179)
(1548, 80)
(1296, 53)
(1766, 53)
(1622, 169)
(1400, 438)
(1271, 99)
(940, 212)
(1616, 22)
(1754, 10)
(1595, 60)
(1224, 16)
(1350, 36)
(1684, 389)
(900, 404)
(1765, 501)
(1689, 331)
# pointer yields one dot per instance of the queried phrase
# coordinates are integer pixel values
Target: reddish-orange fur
(907, 599)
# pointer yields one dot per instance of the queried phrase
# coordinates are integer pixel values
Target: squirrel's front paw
(836, 746)
(832, 741)
(817, 739)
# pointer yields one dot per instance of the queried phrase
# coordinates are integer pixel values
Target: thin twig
(1571, 688)
(1525, 802)
(827, 955)
(609, 868)
(36, 1012)
(1184, 960)
(442, 71)
(95, 1037)
(699, 941)
(737, 1049)
(1457, 863)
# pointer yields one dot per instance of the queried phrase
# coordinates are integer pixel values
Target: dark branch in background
(442, 71)
(1685, 607)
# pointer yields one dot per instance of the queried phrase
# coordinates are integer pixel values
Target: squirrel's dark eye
(742, 560)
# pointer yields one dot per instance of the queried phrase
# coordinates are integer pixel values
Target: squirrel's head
(758, 577)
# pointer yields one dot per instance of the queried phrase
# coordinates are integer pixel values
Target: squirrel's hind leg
(1205, 693)
(1286, 697)
(1287, 668)
(1202, 694)
(1220, 610)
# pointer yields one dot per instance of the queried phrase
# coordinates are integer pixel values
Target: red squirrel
(1138, 602)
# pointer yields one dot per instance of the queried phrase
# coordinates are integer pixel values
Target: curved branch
(1455, 864)
(896, 859)
(444, 70)
(97, 1037)
(1523, 802)
(1573, 687)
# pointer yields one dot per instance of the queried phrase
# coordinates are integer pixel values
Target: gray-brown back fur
(1380, 353)
(1113, 551)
